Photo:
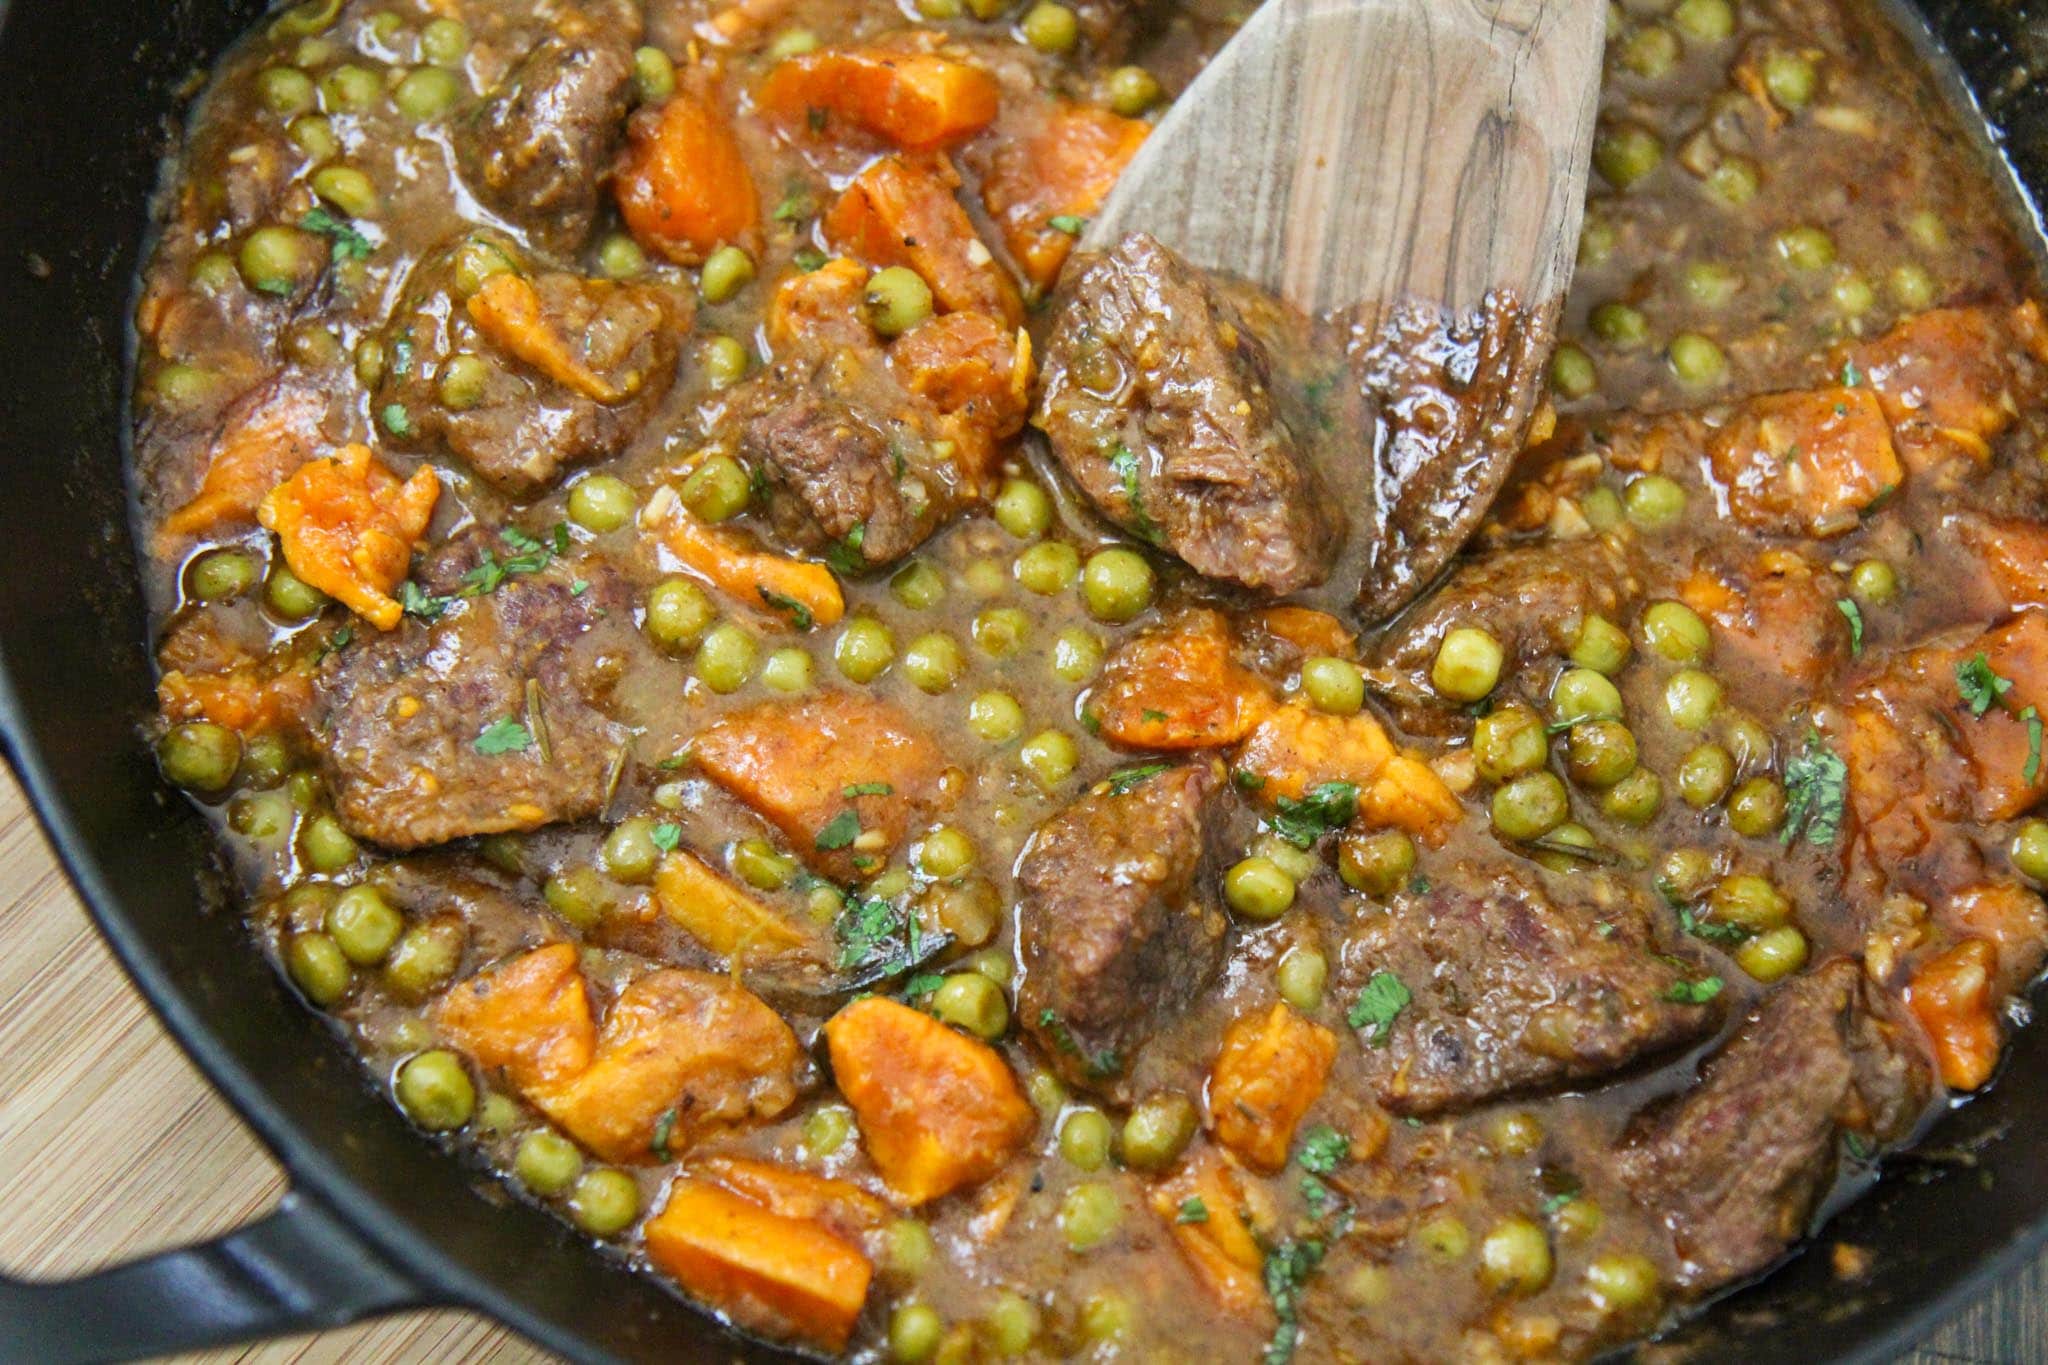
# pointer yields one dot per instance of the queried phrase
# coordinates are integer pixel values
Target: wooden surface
(111, 1144)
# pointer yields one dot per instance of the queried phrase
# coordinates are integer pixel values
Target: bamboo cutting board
(111, 1144)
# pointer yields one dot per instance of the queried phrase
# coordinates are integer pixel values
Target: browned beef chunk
(1161, 401)
(539, 147)
(521, 429)
(1511, 989)
(837, 480)
(1735, 1166)
(1117, 929)
(417, 725)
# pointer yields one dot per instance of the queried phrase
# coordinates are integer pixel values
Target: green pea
(1570, 835)
(1333, 685)
(1378, 864)
(363, 925)
(1467, 664)
(718, 489)
(1116, 584)
(726, 271)
(1750, 901)
(2029, 851)
(265, 761)
(444, 42)
(914, 1332)
(348, 189)
(1001, 631)
(945, 852)
(1048, 568)
(1530, 806)
(629, 853)
(678, 614)
(425, 956)
(1691, 698)
(896, 299)
(214, 272)
(1704, 775)
(1853, 295)
(619, 257)
(827, 1128)
(1674, 631)
(1601, 646)
(1579, 1219)
(1508, 741)
(317, 967)
(1773, 954)
(1790, 79)
(726, 658)
(907, 1248)
(183, 386)
(1089, 1215)
(787, 670)
(1133, 90)
(1600, 753)
(1597, 239)
(1445, 1238)
(1023, 509)
(1085, 1138)
(1912, 288)
(279, 260)
(1625, 153)
(1654, 502)
(1710, 285)
(1696, 360)
(285, 91)
(1734, 182)
(865, 650)
(984, 577)
(477, 260)
(1685, 872)
(1580, 694)
(1076, 655)
(350, 89)
(792, 42)
(918, 586)
(290, 596)
(1051, 27)
(1516, 1133)
(199, 756)
(1805, 248)
(462, 380)
(1757, 808)
(1622, 1281)
(263, 815)
(1301, 977)
(995, 717)
(324, 846)
(994, 964)
(600, 503)
(578, 895)
(1514, 1257)
(1572, 373)
(1158, 1129)
(1012, 1323)
(1107, 1316)
(1705, 21)
(939, 9)
(1748, 742)
(755, 862)
(547, 1163)
(1049, 757)
(1651, 52)
(604, 1202)
(314, 136)
(1045, 1092)
(1257, 889)
(1620, 326)
(435, 1091)
(654, 75)
(305, 788)
(1875, 582)
(970, 1001)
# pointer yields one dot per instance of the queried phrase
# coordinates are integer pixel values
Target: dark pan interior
(87, 89)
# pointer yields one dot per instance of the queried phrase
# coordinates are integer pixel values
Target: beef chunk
(837, 480)
(1117, 927)
(538, 149)
(523, 426)
(401, 716)
(1161, 401)
(1512, 989)
(1736, 1166)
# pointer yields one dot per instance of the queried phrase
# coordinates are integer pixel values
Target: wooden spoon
(1404, 160)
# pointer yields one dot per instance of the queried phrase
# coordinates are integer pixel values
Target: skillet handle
(297, 1269)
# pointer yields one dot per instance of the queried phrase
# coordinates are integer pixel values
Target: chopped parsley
(1979, 684)
(796, 204)
(1152, 717)
(1330, 806)
(1379, 1005)
(1126, 466)
(866, 789)
(1694, 992)
(579, 587)
(1245, 780)
(1557, 1201)
(1287, 1269)
(1323, 1149)
(799, 614)
(1859, 1146)
(1316, 1195)
(418, 602)
(1103, 1063)
(1124, 782)
(1710, 930)
(840, 831)
(1851, 376)
(874, 933)
(396, 419)
(808, 258)
(664, 1131)
(1816, 788)
(1070, 223)
(346, 243)
(339, 641)
(845, 554)
(503, 736)
(2032, 769)
(1854, 615)
(667, 835)
(924, 983)
(1192, 1210)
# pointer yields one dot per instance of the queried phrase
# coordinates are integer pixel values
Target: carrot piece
(839, 773)
(1219, 1244)
(2001, 745)
(252, 697)
(1176, 687)
(717, 913)
(2012, 556)
(1296, 749)
(840, 1205)
(903, 212)
(1064, 169)
(348, 527)
(822, 306)
(1310, 631)
(915, 100)
(938, 1110)
(977, 374)
(681, 1053)
(529, 1016)
(790, 591)
(781, 1276)
(2011, 919)
(1950, 994)
(683, 187)
(743, 19)
(1269, 1074)
(1775, 614)
(268, 434)
(507, 311)
(1806, 463)
(1945, 379)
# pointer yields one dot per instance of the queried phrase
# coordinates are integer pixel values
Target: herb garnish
(1124, 782)
(1192, 1210)
(2032, 769)
(1070, 223)
(396, 419)
(924, 983)
(1816, 786)
(345, 242)
(854, 789)
(664, 1130)
(1323, 1149)
(845, 554)
(1287, 1269)
(808, 258)
(1980, 684)
(1379, 1004)
(667, 835)
(1854, 615)
(1126, 466)
(1328, 807)
(502, 736)
(841, 830)
(1713, 931)
(799, 614)
(1694, 992)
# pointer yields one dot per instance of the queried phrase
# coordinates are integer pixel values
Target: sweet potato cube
(1945, 379)
(1203, 1204)
(1297, 749)
(1062, 170)
(903, 212)
(1808, 462)
(1269, 1074)
(1177, 687)
(683, 187)
(915, 100)
(528, 1017)
(348, 526)
(263, 438)
(938, 1110)
(721, 916)
(1951, 996)
(839, 1205)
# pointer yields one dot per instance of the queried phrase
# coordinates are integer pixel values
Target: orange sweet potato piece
(348, 527)
(1776, 614)
(1950, 994)
(903, 212)
(718, 914)
(938, 1110)
(760, 580)
(1945, 378)
(266, 436)
(1065, 168)
(2012, 556)
(840, 1205)
(1177, 687)
(915, 100)
(1296, 749)
(968, 366)
(1310, 631)
(780, 1276)
(1220, 1245)
(1807, 462)
(252, 697)
(822, 306)
(795, 763)
(507, 311)
(683, 187)
(681, 1053)
(529, 1017)
(2000, 744)
(1269, 1074)
(2008, 916)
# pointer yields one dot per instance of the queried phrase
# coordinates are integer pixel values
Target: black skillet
(377, 1219)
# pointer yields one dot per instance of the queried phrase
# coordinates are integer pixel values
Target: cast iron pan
(377, 1219)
